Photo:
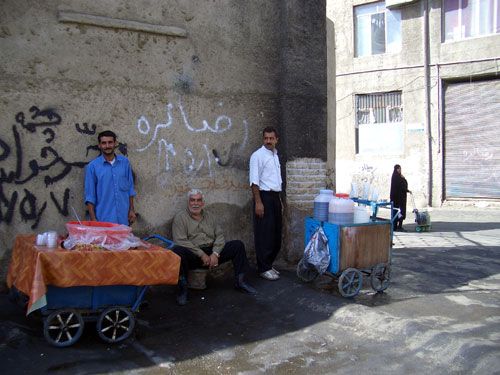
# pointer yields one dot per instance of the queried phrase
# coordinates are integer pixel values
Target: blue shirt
(109, 188)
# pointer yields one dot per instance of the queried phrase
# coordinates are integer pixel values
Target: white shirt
(265, 170)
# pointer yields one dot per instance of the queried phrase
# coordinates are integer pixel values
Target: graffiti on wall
(200, 157)
(17, 193)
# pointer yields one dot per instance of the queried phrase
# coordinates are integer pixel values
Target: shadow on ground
(444, 227)
(220, 319)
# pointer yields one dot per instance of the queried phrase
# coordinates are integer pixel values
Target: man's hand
(131, 216)
(91, 209)
(214, 260)
(205, 260)
(259, 206)
(259, 210)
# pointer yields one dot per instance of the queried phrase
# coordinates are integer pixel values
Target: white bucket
(361, 215)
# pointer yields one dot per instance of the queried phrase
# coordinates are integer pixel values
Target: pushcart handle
(169, 244)
(413, 201)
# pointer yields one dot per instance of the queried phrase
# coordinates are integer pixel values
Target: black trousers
(398, 222)
(267, 230)
(233, 251)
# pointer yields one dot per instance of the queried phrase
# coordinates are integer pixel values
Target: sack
(316, 257)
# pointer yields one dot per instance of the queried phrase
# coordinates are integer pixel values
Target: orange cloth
(32, 267)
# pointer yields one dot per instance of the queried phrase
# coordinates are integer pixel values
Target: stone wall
(187, 86)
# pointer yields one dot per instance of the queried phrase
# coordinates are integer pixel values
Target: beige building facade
(415, 83)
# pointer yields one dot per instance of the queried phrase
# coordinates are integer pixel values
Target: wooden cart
(357, 251)
(71, 287)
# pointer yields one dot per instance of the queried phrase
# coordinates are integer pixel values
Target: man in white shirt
(265, 181)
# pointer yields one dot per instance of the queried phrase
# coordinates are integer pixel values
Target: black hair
(270, 129)
(106, 133)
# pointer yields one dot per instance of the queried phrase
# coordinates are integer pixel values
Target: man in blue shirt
(109, 185)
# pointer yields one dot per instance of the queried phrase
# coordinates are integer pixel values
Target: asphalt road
(440, 314)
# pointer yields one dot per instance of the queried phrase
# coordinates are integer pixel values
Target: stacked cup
(48, 239)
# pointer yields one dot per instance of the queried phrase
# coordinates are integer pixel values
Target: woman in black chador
(399, 188)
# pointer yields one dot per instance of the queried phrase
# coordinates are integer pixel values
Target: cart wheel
(63, 328)
(115, 324)
(380, 277)
(350, 282)
(306, 272)
(418, 228)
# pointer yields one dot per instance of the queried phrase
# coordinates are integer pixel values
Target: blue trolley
(358, 251)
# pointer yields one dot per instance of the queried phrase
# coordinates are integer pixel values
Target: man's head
(270, 138)
(107, 142)
(195, 201)
(106, 133)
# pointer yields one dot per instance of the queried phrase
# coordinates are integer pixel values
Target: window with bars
(379, 123)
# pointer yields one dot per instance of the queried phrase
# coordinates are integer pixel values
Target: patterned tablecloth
(33, 267)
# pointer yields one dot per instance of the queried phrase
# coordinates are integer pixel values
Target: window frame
(474, 24)
(391, 18)
(384, 103)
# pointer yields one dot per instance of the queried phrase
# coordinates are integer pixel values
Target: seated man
(200, 243)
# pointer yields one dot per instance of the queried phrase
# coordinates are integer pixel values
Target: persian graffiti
(85, 129)
(42, 115)
(197, 159)
(17, 193)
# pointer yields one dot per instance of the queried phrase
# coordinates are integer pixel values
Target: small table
(33, 268)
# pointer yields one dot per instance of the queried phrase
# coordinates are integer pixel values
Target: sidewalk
(441, 314)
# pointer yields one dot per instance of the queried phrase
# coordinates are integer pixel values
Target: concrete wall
(303, 85)
(303, 110)
(402, 71)
(188, 110)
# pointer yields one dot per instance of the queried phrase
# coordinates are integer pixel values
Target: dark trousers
(233, 251)
(267, 230)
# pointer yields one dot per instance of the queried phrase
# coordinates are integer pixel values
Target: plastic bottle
(354, 190)
(341, 211)
(321, 203)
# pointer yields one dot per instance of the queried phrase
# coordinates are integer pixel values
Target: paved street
(441, 314)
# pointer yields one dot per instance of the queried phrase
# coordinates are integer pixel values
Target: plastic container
(197, 278)
(107, 235)
(361, 215)
(354, 190)
(113, 232)
(321, 204)
(52, 238)
(41, 239)
(341, 211)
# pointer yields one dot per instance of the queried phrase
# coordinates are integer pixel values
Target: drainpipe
(427, 88)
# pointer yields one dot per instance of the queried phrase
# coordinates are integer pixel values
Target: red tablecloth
(33, 267)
